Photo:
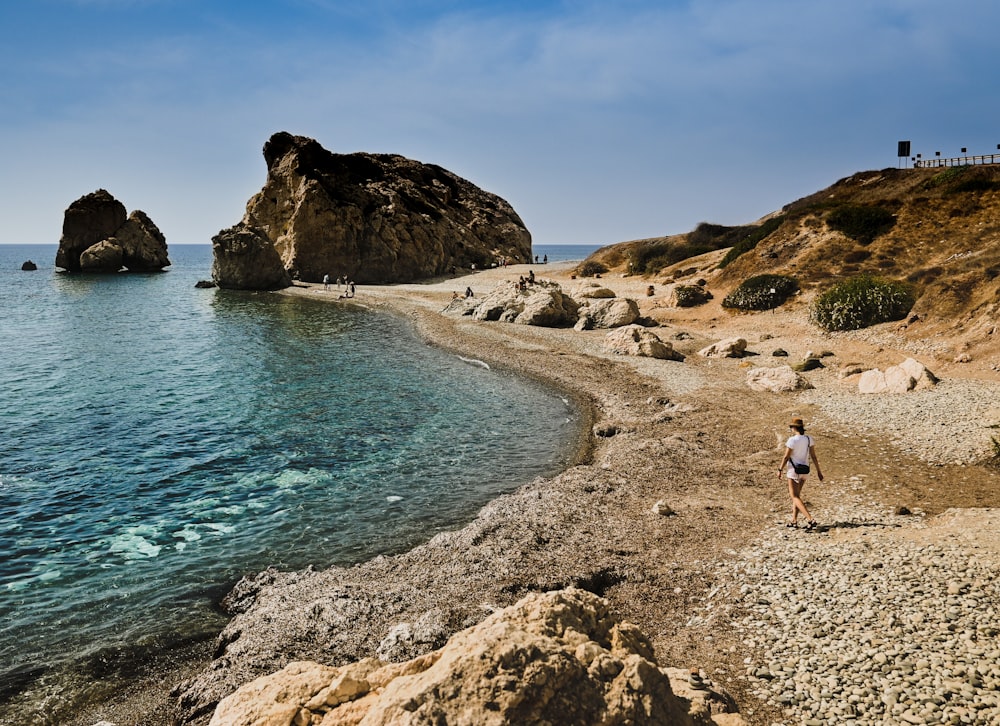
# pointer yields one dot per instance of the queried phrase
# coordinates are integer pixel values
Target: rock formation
(374, 218)
(636, 340)
(541, 303)
(29, 266)
(558, 657)
(907, 376)
(776, 380)
(98, 236)
(729, 348)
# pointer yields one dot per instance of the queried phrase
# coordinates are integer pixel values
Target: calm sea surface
(160, 441)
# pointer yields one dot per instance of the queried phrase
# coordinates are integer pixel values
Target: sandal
(811, 524)
(792, 525)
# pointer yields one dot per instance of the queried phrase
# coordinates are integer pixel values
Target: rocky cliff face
(373, 218)
(98, 236)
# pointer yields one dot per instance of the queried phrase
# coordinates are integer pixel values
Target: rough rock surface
(556, 657)
(687, 296)
(541, 303)
(637, 340)
(244, 259)
(777, 380)
(99, 236)
(374, 218)
(29, 266)
(608, 312)
(907, 376)
(728, 348)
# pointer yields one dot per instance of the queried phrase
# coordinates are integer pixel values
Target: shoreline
(688, 433)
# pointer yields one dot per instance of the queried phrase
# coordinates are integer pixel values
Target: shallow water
(160, 441)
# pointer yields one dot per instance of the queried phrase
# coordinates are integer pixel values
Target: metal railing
(956, 161)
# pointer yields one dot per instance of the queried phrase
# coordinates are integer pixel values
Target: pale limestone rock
(662, 508)
(105, 256)
(610, 312)
(542, 303)
(908, 375)
(728, 348)
(556, 657)
(637, 340)
(777, 380)
(591, 291)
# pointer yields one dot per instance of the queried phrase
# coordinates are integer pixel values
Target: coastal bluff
(371, 218)
(98, 235)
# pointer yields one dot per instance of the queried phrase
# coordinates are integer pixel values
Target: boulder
(555, 657)
(375, 218)
(244, 259)
(105, 256)
(636, 340)
(542, 303)
(777, 380)
(591, 290)
(609, 312)
(906, 376)
(29, 266)
(686, 296)
(729, 348)
(99, 236)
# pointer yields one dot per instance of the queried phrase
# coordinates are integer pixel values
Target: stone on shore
(245, 259)
(777, 380)
(686, 296)
(907, 376)
(608, 312)
(729, 348)
(555, 657)
(541, 303)
(29, 266)
(638, 341)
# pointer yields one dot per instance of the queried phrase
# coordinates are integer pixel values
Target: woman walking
(799, 449)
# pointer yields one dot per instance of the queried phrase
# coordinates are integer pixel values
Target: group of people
(349, 287)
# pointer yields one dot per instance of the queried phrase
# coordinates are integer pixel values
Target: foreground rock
(373, 218)
(541, 303)
(777, 380)
(558, 657)
(99, 236)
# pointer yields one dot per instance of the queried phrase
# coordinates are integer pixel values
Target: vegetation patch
(589, 268)
(861, 223)
(860, 302)
(752, 238)
(763, 292)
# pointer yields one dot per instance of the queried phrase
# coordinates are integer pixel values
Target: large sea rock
(373, 218)
(100, 236)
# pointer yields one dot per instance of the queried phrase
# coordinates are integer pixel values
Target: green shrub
(859, 223)
(763, 292)
(589, 268)
(754, 236)
(862, 301)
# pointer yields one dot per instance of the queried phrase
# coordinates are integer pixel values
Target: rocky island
(100, 236)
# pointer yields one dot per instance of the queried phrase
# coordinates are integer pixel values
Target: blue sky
(599, 121)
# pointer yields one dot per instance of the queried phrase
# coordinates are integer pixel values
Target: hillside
(938, 229)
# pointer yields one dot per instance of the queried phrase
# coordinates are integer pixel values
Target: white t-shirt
(799, 444)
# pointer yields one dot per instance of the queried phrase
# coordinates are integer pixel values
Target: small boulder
(29, 266)
(729, 348)
(907, 376)
(591, 291)
(638, 341)
(776, 380)
(687, 296)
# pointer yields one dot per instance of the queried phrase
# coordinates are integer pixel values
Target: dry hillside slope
(938, 229)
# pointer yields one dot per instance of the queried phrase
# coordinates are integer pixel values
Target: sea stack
(372, 218)
(98, 236)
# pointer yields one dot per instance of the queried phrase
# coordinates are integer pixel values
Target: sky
(598, 121)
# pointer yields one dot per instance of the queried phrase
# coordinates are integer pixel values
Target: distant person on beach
(545, 259)
(338, 282)
(468, 292)
(531, 277)
(799, 449)
(353, 288)
(326, 282)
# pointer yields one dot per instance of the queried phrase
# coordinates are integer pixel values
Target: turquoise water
(160, 441)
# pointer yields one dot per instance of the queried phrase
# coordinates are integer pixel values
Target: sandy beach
(690, 434)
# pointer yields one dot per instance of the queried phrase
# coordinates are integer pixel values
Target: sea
(159, 441)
